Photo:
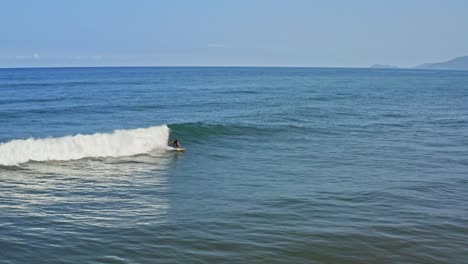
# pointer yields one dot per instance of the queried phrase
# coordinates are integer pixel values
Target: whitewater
(119, 143)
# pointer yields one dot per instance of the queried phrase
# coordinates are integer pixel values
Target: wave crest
(198, 132)
(116, 144)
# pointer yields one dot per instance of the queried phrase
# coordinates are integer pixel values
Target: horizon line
(210, 66)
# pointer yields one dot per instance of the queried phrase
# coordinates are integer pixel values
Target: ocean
(282, 165)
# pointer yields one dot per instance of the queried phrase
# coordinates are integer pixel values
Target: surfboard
(178, 149)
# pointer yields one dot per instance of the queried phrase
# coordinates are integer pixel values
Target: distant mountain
(382, 66)
(459, 63)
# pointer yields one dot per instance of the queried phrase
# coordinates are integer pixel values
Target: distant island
(383, 66)
(459, 63)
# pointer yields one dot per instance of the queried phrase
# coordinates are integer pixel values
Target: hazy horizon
(242, 33)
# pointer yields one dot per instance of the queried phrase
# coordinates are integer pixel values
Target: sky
(333, 33)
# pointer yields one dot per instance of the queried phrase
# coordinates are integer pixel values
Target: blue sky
(332, 33)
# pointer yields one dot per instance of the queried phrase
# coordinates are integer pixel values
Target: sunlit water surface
(282, 165)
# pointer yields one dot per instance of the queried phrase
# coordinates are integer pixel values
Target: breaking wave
(116, 144)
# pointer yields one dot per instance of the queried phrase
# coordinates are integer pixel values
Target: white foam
(116, 144)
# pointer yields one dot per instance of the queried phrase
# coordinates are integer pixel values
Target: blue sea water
(282, 165)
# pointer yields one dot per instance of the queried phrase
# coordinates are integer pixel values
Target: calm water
(283, 165)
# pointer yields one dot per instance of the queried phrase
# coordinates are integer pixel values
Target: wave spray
(116, 144)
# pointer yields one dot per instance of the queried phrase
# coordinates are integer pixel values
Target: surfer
(175, 143)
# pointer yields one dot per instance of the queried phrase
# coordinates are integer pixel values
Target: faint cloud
(85, 57)
(34, 56)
